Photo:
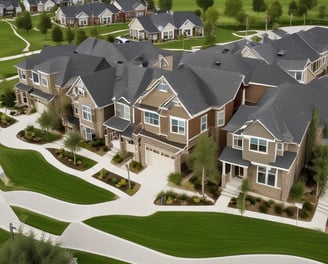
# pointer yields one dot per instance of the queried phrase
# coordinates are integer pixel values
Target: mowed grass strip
(200, 235)
(88, 258)
(10, 44)
(39, 221)
(29, 171)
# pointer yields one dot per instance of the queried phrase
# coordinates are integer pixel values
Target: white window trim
(201, 123)
(258, 151)
(148, 123)
(178, 119)
(38, 83)
(233, 142)
(22, 74)
(45, 80)
(218, 112)
(126, 108)
(282, 146)
(267, 176)
(83, 110)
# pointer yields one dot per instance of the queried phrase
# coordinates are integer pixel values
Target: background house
(130, 9)
(166, 26)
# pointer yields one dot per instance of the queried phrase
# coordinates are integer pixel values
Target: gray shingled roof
(117, 123)
(42, 95)
(233, 156)
(128, 5)
(92, 9)
(316, 37)
(100, 85)
(285, 161)
(156, 22)
(23, 87)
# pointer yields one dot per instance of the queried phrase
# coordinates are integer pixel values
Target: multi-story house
(9, 8)
(130, 9)
(39, 5)
(45, 78)
(266, 143)
(166, 26)
(302, 55)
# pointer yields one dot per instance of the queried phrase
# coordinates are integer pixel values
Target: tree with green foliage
(259, 6)
(151, 6)
(311, 135)
(301, 10)
(69, 35)
(209, 26)
(204, 4)
(275, 11)
(94, 32)
(292, 7)
(48, 120)
(80, 36)
(310, 4)
(320, 165)
(203, 160)
(111, 38)
(8, 98)
(322, 12)
(72, 142)
(57, 35)
(24, 21)
(44, 23)
(298, 191)
(241, 201)
(165, 4)
(198, 12)
(233, 7)
(26, 249)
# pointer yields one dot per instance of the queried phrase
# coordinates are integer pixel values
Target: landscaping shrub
(135, 166)
(251, 199)
(307, 206)
(278, 209)
(233, 201)
(171, 193)
(103, 173)
(169, 200)
(303, 214)
(258, 200)
(99, 142)
(196, 200)
(115, 180)
(175, 177)
(289, 211)
(263, 208)
(117, 159)
(183, 197)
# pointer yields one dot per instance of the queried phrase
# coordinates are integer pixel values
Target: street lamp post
(129, 182)
(11, 229)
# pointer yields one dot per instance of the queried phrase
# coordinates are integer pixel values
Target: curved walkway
(27, 47)
(141, 204)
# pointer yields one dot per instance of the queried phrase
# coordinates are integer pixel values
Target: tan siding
(137, 116)
(263, 158)
(156, 98)
(177, 111)
(229, 140)
(257, 130)
(254, 92)
(164, 121)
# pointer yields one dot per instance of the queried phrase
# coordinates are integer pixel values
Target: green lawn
(200, 235)
(28, 170)
(4, 236)
(39, 221)
(7, 39)
(8, 69)
(7, 84)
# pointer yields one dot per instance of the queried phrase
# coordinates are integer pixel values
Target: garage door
(40, 107)
(159, 159)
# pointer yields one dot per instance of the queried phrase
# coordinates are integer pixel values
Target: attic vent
(225, 50)
(119, 62)
(217, 63)
(180, 65)
(281, 53)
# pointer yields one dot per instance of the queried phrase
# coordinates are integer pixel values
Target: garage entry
(159, 159)
(40, 107)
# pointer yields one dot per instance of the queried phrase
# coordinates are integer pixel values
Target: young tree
(259, 6)
(204, 4)
(203, 160)
(44, 23)
(320, 164)
(209, 26)
(72, 142)
(301, 10)
(94, 32)
(69, 35)
(298, 191)
(292, 7)
(25, 249)
(312, 131)
(232, 7)
(275, 10)
(8, 99)
(151, 6)
(310, 4)
(110, 38)
(165, 4)
(241, 201)
(321, 12)
(57, 35)
(27, 21)
(48, 120)
(80, 36)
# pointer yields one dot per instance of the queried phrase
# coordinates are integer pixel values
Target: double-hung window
(86, 113)
(35, 77)
(220, 117)
(151, 118)
(178, 126)
(266, 175)
(258, 144)
(22, 74)
(44, 81)
(203, 123)
(123, 111)
(237, 142)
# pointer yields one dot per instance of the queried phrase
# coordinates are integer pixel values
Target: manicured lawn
(199, 235)
(7, 68)
(7, 39)
(28, 170)
(39, 221)
(4, 236)
(88, 258)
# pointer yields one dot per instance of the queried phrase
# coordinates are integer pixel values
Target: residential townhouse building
(9, 8)
(130, 9)
(39, 5)
(166, 26)
(86, 15)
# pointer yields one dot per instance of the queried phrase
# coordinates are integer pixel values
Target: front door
(239, 171)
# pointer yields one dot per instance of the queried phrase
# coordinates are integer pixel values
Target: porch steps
(232, 188)
(112, 152)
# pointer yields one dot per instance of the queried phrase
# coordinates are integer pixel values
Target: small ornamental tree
(311, 134)
(204, 4)
(69, 35)
(259, 6)
(203, 160)
(80, 36)
(241, 201)
(320, 165)
(57, 35)
(275, 11)
(165, 4)
(72, 142)
(48, 120)
(44, 23)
